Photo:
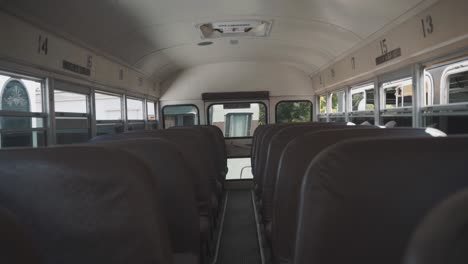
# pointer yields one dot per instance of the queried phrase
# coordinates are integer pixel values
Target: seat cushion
(185, 258)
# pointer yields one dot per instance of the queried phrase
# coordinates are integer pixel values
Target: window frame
(123, 109)
(430, 102)
(332, 117)
(396, 110)
(175, 105)
(321, 115)
(143, 101)
(208, 121)
(330, 102)
(350, 99)
(457, 67)
(81, 90)
(44, 114)
(122, 122)
(295, 101)
(367, 114)
(151, 124)
(227, 124)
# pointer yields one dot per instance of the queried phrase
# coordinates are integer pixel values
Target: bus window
(338, 102)
(322, 102)
(428, 90)
(135, 114)
(22, 117)
(237, 119)
(448, 111)
(180, 115)
(398, 94)
(72, 119)
(362, 98)
(135, 109)
(338, 106)
(151, 114)
(362, 104)
(108, 113)
(397, 99)
(151, 110)
(293, 111)
(458, 88)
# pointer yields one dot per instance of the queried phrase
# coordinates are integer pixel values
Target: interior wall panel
(433, 32)
(31, 46)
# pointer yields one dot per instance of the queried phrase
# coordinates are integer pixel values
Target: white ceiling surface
(159, 36)
(278, 79)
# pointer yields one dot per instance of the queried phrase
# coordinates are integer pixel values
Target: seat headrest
(362, 198)
(85, 204)
(442, 237)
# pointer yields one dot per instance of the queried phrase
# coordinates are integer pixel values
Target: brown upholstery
(258, 133)
(85, 204)
(215, 139)
(217, 135)
(275, 149)
(361, 199)
(189, 144)
(16, 245)
(265, 144)
(442, 237)
(292, 166)
(176, 192)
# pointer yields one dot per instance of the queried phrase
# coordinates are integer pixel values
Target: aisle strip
(259, 234)
(221, 226)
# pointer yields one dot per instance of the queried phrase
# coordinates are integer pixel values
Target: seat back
(260, 152)
(361, 199)
(176, 189)
(276, 146)
(16, 245)
(442, 237)
(258, 134)
(217, 134)
(189, 145)
(293, 164)
(85, 204)
(265, 144)
(214, 136)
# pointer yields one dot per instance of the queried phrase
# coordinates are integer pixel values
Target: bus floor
(239, 242)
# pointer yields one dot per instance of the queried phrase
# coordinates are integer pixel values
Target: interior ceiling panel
(160, 37)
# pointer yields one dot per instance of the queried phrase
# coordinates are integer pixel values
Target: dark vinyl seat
(293, 164)
(442, 237)
(215, 139)
(189, 144)
(85, 204)
(217, 134)
(260, 153)
(357, 212)
(16, 245)
(195, 146)
(258, 134)
(176, 193)
(264, 144)
(275, 147)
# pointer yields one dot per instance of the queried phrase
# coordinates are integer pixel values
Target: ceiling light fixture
(242, 28)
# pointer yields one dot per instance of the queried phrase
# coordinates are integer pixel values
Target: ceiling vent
(247, 28)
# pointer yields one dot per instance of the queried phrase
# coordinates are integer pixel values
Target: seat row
(139, 197)
(331, 192)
